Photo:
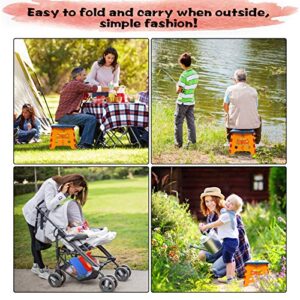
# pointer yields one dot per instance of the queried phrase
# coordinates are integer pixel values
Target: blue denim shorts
(229, 247)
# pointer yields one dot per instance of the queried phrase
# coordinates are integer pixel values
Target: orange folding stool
(62, 135)
(254, 269)
(242, 140)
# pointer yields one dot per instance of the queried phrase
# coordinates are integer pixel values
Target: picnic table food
(109, 95)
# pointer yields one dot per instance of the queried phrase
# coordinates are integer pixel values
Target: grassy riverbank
(210, 148)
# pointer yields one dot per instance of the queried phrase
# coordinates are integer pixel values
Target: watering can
(209, 242)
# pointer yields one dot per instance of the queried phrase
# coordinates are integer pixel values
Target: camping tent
(25, 90)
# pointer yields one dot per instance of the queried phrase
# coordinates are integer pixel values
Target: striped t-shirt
(188, 81)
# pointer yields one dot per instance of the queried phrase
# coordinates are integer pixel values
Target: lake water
(216, 60)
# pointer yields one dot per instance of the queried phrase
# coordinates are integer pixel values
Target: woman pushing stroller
(51, 194)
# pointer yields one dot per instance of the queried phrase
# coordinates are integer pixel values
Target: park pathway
(26, 281)
(236, 287)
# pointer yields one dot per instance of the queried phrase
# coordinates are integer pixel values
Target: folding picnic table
(118, 115)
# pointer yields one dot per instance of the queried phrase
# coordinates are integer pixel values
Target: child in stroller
(76, 245)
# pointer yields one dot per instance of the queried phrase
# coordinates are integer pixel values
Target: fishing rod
(170, 76)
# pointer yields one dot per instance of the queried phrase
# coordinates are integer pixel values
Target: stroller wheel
(114, 279)
(107, 284)
(55, 280)
(122, 273)
(128, 269)
(62, 275)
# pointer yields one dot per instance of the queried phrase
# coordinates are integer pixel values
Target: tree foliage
(54, 59)
(277, 188)
(90, 173)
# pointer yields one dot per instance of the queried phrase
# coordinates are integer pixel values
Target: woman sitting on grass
(212, 201)
(27, 126)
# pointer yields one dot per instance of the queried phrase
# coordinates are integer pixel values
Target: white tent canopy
(25, 90)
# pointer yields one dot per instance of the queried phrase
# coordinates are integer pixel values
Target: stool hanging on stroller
(75, 253)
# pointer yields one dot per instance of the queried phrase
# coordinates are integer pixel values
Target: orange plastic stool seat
(242, 141)
(62, 135)
(253, 269)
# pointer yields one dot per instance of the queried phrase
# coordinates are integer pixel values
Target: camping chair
(115, 136)
(139, 136)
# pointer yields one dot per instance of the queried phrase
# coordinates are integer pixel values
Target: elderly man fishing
(241, 106)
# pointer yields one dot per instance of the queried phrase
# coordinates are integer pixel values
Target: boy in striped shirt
(185, 103)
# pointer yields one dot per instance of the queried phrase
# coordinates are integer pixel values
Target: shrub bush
(90, 173)
(277, 188)
(267, 234)
(96, 173)
(266, 230)
(175, 266)
(20, 188)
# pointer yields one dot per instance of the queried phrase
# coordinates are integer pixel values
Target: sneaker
(190, 145)
(177, 146)
(259, 145)
(33, 141)
(84, 146)
(226, 280)
(20, 143)
(35, 269)
(44, 273)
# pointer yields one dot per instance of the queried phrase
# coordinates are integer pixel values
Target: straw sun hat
(212, 191)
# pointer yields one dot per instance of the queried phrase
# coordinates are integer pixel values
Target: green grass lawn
(210, 142)
(39, 153)
(120, 205)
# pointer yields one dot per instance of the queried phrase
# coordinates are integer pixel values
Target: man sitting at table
(68, 111)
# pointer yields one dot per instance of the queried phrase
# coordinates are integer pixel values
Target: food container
(112, 96)
(121, 97)
(99, 100)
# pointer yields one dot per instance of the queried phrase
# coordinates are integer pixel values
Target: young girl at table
(106, 70)
(27, 126)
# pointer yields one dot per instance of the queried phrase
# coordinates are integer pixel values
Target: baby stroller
(75, 252)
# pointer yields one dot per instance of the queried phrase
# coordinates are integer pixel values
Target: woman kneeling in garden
(212, 201)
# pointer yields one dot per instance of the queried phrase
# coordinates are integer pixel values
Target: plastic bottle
(111, 93)
(121, 93)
